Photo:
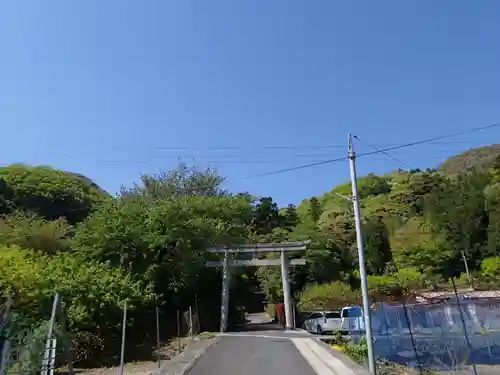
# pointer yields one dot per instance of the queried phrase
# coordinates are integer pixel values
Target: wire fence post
(124, 330)
(64, 337)
(52, 362)
(4, 359)
(386, 320)
(412, 338)
(190, 322)
(466, 334)
(178, 331)
(5, 356)
(197, 314)
(6, 312)
(158, 336)
(49, 353)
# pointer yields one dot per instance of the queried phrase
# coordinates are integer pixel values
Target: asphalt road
(234, 355)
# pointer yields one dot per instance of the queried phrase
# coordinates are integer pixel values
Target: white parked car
(353, 320)
(323, 322)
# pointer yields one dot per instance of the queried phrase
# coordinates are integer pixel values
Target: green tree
(270, 281)
(289, 218)
(376, 243)
(342, 233)
(412, 189)
(324, 256)
(165, 242)
(372, 185)
(180, 182)
(416, 245)
(493, 211)
(457, 209)
(6, 196)
(315, 209)
(265, 217)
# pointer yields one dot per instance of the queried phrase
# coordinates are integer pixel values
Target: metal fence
(32, 350)
(458, 334)
(188, 325)
(47, 347)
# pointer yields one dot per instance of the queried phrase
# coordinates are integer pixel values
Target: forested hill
(416, 225)
(60, 232)
(481, 158)
(420, 219)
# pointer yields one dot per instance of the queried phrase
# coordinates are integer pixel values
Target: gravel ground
(167, 352)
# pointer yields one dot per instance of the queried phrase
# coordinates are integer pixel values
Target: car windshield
(353, 312)
(332, 315)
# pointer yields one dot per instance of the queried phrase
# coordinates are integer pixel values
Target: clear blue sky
(112, 89)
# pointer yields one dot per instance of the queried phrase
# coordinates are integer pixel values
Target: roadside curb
(182, 363)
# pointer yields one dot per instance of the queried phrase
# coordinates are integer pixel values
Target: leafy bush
(383, 285)
(92, 292)
(490, 269)
(330, 296)
(397, 284)
(358, 352)
(409, 279)
(271, 310)
(32, 232)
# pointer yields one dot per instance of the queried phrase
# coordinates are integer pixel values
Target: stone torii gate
(248, 255)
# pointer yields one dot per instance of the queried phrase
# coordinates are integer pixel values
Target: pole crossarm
(263, 248)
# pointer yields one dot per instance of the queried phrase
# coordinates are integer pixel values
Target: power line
(267, 161)
(299, 167)
(428, 140)
(286, 147)
(253, 148)
(236, 148)
(383, 152)
(246, 161)
(432, 139)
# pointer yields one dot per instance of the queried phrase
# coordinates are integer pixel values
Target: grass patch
(206, 335)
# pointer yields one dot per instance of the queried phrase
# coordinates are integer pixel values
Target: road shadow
(252, 327)
(258, 322)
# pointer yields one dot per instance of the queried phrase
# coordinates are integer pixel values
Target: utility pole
(361, 255)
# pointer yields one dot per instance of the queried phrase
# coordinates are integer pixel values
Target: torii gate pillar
(226, 281)
(287, 297)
